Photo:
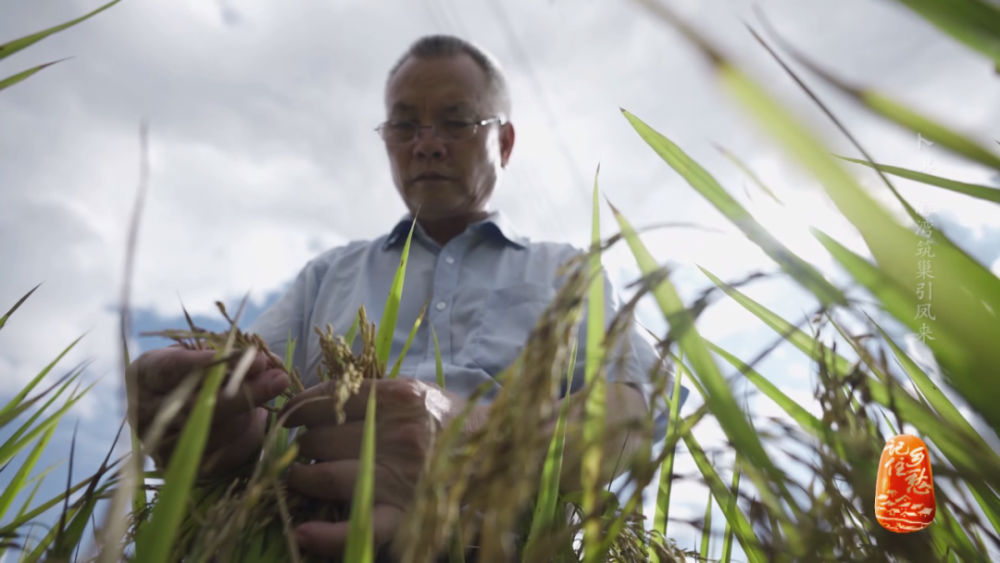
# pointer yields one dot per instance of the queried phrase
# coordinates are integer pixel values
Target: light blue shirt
(485, 290)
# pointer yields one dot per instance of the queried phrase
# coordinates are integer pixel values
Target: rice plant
(498, 494)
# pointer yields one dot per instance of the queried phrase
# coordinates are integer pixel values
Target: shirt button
(440, 306)
(449, 259)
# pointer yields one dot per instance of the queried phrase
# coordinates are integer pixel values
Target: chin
(439, 200)
(433, 210)
(438, 208)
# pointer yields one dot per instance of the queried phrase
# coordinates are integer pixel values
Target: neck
(443, 229)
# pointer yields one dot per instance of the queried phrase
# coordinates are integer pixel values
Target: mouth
(430, 176)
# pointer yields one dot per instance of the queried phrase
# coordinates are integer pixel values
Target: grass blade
(64, 384)
(837, 122)
(974, 23)
(718, 396)
(741, 526)
(24, 75)
(710, 189)
(951, 533)
(279, 401)
(21, 520)
(20, 395)
(409, 340)
(352, 332)
(39, 552)
(3, 319)
(360, 538)
(438, 366)
(956, 346)
(948, 411)
(727, 538)
(880, 104)
(746, 170)
(72, 536)
(966, 296)
(706, 529)
(457, 553)
(27, 502)
(661, 517)
(805, 419)
(156, 538)
(18, 481)
(971, 289)
(548, 491)
(386, 330)
(13, 445)
(289, 352)
(977, 191)
(955, 443)
(8, 49)
(594, 415)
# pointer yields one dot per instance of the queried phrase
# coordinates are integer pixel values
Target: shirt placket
(446, 275)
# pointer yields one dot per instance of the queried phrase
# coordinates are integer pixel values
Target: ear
(506, 143)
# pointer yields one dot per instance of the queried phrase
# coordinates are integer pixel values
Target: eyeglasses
(448, 130)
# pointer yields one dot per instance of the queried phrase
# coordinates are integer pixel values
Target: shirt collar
(495, 224)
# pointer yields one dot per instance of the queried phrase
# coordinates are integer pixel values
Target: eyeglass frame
(416, 135)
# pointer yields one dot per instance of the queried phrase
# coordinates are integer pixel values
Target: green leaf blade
(438, 364)
(9, 48)
(548, 492)
(406, 347)
(18, 482)
(594, 408)
(742, 529)
(964, 298)
(717, 393)
(157, 538)
(386, 330)
(985, 193)
(21, 76)
(661, 516)
(710, 189)
(360, 538)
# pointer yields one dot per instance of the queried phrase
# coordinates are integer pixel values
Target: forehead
(452, 83)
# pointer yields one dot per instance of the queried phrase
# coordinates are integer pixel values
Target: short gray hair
(431, 46)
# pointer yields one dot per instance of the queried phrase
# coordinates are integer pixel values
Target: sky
(262, 155)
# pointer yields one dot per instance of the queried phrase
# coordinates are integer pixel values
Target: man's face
(464, 173)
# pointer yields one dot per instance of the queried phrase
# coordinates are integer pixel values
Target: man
(448, 137)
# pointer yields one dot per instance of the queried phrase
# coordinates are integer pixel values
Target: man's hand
(238, 424)
(408, 414)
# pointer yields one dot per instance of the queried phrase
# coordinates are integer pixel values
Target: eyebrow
(452, 108)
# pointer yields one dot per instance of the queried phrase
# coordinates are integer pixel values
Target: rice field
(495, 495)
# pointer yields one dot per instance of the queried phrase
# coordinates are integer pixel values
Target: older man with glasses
(449, 138)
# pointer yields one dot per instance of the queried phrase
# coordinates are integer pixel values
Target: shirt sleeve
(632, 361)
(287, 317)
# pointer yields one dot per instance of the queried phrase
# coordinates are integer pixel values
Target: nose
(428, 145)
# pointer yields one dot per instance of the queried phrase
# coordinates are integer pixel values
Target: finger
(226, 433)
(332, 442)
(252, 393)
(162, 370)
(314, 406)
(228, 447)
(336, 481)
(331, 480)
(329, 539)
(234, 446)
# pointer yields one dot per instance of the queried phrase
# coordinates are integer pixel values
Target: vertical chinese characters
(924, 254)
